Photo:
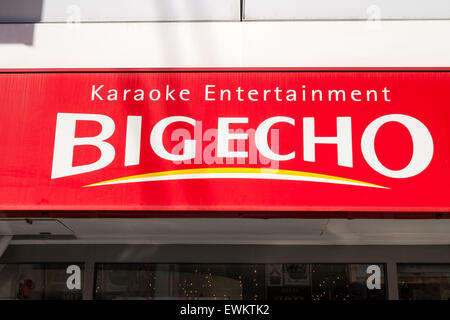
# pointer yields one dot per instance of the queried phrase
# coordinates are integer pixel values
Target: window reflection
(288, 281)
(129, 281)
(345, 282)
(36, 282)
(285, 281)
(219, 282)
(424, 281)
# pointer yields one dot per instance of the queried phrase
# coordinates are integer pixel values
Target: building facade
(326, 206)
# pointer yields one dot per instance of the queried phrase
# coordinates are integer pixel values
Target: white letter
(169, 93)
(133, 140)
(354, 93)
(74, 280)
(95, 93)
(422, 146)
(182, 93)
(158, 95)
(261, 138)
(224, 136)
(156, 138)
(385, 91)
(65, 141)
(343, 140)
(374, 280)
(207, 92)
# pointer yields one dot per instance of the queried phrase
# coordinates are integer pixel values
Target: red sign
(271, 141)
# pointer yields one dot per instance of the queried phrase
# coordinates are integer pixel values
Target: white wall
(346, 9)
(215, 10)
(130, 34)
(118, 10)
(226, 44)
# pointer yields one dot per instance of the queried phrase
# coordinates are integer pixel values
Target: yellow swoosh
(249, 173)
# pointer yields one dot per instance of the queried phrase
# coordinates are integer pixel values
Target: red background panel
(30, 102)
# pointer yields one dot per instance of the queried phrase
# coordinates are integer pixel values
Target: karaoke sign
(225, 141)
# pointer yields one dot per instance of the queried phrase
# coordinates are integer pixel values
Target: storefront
(238, 272)
(195, 156)
(211, 166)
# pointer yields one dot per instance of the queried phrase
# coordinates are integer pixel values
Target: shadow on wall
(16, 18)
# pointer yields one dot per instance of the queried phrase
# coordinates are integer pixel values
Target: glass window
(347, 282)
(282, 281)
(131, 281)
(37, 282)
(423, 281)
(179, 281)
(219, 281)
(288, 281)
